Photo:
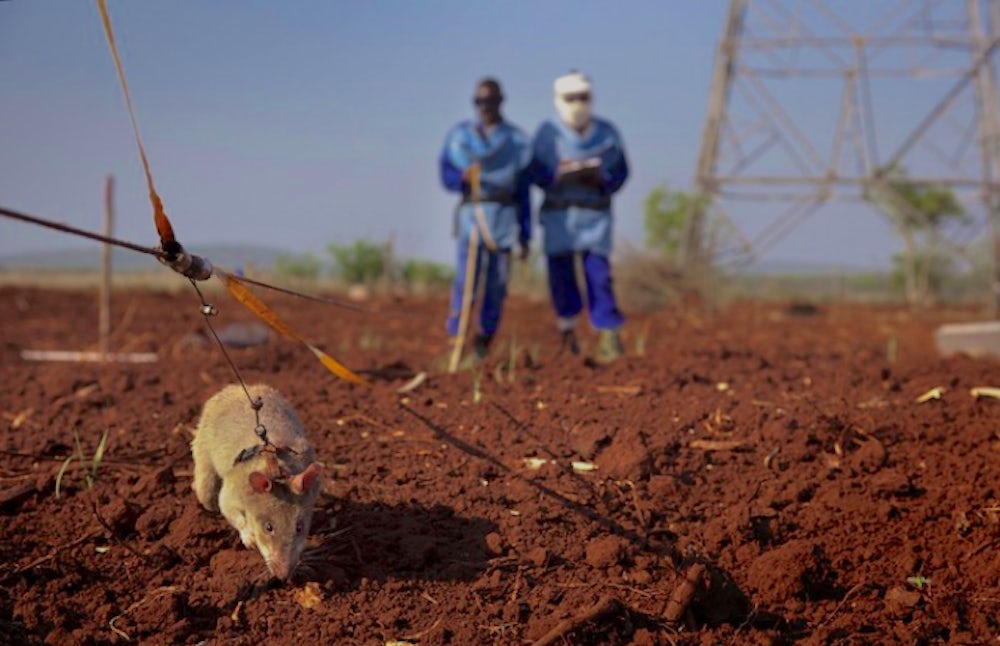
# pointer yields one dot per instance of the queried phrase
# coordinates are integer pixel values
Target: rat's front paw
(247, 539)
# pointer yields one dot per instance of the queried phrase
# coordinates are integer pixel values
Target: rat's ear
(306, 480)
(259, 482)
(271, 467)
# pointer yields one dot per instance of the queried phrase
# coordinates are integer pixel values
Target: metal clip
(188, 265)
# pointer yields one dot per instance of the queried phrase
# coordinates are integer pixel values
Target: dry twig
(717, 445)
(605, 606)
(54, 553)
(159, 592)
(417, 636)
(840, 605)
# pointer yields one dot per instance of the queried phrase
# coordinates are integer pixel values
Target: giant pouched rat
(266, 490)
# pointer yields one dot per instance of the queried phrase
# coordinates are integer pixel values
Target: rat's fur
(269, 497)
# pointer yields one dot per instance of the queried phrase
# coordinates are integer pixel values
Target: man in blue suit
(579, 161)
(499, 153)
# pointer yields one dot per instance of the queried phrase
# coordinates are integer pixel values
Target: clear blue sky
(295, 124)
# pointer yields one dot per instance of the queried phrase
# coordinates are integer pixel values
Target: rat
(266, 484)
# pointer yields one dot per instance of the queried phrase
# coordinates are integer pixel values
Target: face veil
(573, 100)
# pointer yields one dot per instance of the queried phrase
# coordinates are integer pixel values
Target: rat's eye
(298, 527)
(269, 527)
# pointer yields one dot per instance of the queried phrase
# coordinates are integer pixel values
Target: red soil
(841, 512)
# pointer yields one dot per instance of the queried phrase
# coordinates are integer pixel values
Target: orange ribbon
(249, 300)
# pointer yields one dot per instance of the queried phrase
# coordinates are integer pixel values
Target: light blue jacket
(504, 155)
(576, 216)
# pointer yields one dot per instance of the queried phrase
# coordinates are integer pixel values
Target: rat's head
(279, 516)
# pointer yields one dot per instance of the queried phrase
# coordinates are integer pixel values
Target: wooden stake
(471, 261)
(79, 357)
(104, 304)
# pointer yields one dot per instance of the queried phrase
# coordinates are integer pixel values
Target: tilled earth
(779, 451)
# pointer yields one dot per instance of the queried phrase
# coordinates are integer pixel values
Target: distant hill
(89, 259)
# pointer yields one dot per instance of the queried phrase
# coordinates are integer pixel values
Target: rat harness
(276, 457)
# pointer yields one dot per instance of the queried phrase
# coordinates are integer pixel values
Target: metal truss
(801, 112)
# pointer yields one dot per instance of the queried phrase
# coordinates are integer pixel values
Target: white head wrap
(575, 114)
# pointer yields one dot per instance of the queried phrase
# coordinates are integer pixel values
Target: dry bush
(647, 281)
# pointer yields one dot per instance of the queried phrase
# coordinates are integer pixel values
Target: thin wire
(160, 253)
(316, 299)
(332, 302)
(65, 228)
(208, 311)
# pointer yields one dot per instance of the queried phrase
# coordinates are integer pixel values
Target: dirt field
(782, 450)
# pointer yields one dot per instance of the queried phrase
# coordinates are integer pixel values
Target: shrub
(359, 262)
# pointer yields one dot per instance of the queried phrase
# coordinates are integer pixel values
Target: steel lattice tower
(797, 112)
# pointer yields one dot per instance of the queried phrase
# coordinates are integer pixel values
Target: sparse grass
(506, 370)
(370, 340)
(477, 387)
(161, 280)
(640, 339)
(533, 354)
(512, 361)
(90, 470)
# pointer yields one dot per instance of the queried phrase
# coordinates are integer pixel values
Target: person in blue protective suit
(579, 161)
(500, 153)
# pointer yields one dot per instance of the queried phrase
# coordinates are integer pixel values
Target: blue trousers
(494, 292)
(601, 305)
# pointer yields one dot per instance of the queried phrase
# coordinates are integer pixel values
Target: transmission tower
(813, 102)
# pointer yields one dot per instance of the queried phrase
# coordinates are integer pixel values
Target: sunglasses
(487, 100)
(581, 97)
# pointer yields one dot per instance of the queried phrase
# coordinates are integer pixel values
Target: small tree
(919, 212)
(359, 262)
(666, 214)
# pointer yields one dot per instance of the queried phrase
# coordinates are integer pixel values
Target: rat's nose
(280, 569)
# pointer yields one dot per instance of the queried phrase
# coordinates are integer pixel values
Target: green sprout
(512, 361)
(90, 473)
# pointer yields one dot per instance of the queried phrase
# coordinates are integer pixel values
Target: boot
(481, 345)
(569, 341)
(609, 346)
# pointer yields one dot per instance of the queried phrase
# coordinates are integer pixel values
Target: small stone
(538, 556)
(156, 479)
(900, 601)
(606, 551)
(640, 576)
(120, 516)
(494, 544)
(870, 456)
